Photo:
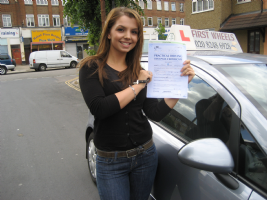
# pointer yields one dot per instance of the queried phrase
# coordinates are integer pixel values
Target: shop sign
(46, 36)
(9, 33)
(76, 31)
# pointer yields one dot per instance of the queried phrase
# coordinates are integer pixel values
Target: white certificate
(165, 61)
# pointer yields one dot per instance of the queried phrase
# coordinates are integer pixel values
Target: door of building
(16, 54)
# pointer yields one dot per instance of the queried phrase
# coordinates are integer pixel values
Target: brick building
(246, 18)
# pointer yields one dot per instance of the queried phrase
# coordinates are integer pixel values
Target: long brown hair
(132, 58)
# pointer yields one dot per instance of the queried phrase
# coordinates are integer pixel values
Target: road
(42, 145)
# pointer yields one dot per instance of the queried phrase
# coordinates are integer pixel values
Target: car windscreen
(251, 80)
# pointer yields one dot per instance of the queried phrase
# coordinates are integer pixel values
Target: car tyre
(73, 64)
(91, 149)
(42, 67)
(3, 70)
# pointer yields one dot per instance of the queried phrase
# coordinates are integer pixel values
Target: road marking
(69, 83)
(61, 76)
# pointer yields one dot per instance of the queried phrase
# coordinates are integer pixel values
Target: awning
(245, 21)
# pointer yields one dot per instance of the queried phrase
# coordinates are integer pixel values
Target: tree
(161, 30)
(87, 14)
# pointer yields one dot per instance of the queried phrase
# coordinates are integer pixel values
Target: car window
(64, 54)
(4, 57)
(252, 161)
(204, 114)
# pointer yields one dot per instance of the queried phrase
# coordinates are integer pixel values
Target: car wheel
(42, 67)
(3, 70)
(92, 157)
(73, 65)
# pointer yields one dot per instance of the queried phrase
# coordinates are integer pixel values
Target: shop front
(76, 41)
(12, 44)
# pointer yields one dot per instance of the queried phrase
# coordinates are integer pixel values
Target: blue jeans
(127, 178)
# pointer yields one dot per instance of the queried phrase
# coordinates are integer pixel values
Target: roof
(244, 21)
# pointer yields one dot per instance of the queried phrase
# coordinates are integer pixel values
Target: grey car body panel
(175, 180)
(35, 66)
(218, 158)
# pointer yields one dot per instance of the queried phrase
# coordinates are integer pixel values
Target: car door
(66, 58)
(209, 111)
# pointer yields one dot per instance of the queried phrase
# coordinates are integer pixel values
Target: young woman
(126, 155)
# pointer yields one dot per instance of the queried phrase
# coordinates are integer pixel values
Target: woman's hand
(144, 75)
(187, 70)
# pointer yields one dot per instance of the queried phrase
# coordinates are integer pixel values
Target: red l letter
(183, 37)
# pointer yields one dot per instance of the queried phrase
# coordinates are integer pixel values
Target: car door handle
(227, 180)
(60, 59)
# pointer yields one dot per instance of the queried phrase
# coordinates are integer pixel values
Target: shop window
(30, 20)
(202, 5)
(181, 7)
(54, 2)
(159, 20)
(182, 21)
(254, 42)
(7, 21)
(143, 20)
(150, 21)
(43, 20)
(149, 4)
(41, 2)
(173, 21)
(56, 20)
(166, 5)
(28, 2)
(4, 1)
(167, 22)
(159, 5)
(173, 6)
(141, 4)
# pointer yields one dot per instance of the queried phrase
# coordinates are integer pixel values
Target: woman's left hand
(187, 70)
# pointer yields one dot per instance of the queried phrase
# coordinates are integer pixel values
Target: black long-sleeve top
(117, 129)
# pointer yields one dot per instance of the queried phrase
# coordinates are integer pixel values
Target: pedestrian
(126, 155)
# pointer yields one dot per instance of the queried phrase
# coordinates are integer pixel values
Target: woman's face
(123, 35)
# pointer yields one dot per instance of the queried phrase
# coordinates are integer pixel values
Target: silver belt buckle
(129, 152)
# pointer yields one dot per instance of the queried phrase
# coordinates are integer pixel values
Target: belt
(130, 153)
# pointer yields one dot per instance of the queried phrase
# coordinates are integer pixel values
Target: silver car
(212, 145)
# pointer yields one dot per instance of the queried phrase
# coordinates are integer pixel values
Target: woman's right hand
(144, 75)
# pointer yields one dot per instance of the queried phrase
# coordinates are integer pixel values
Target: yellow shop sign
(46, 36)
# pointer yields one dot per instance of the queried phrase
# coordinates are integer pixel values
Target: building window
(43, 20)
(150, 21)
(181, 7)
(30, 20)
(166, 22)
(159, 20)
(141, 4)
(28, 2)
(173, 21)
(182, 21)
(143, 20)
(7, 21)
(159, 5)
(254, 42)
(243, 1)
(41, 2)
(66, 21)
(4, 1)
(56, 20)
(149, 4)
(54, 2)
(173, 6)
(202, 5)
(166, 5)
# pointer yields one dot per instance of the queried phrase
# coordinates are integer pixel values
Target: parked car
(40, 60)
(6, 63)
(212, 145)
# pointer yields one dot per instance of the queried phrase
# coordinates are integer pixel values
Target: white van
(40, 60)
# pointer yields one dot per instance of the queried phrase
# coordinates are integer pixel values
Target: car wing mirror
(209, 154)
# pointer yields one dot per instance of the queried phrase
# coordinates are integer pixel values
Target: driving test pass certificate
(165, 61)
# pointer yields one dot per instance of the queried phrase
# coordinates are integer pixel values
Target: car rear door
(209, 111)
(53, 59)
